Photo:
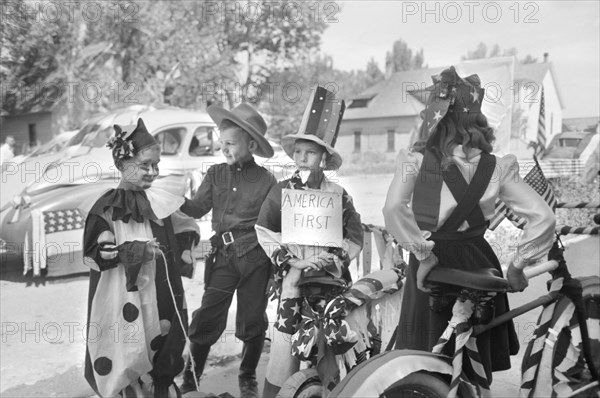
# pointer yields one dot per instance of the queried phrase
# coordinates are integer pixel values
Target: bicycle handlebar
(535, 270)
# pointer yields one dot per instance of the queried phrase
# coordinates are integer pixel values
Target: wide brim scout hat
(249, 120)
(320, 124)
(450, 93)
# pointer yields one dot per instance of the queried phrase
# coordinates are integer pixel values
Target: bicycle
(410, 373)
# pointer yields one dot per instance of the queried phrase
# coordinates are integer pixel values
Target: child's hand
(516, 278)
(186, 257)
(303, 264)
(151, 250)
(324, 259)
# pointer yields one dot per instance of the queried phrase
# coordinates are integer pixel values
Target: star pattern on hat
(475, 95)
(437, 116)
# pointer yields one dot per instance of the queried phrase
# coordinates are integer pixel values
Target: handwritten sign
(310, 217)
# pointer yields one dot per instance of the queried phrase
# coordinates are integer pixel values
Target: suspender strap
(426, 196)
(467, 195)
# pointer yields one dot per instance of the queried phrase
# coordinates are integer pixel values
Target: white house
(383, 118)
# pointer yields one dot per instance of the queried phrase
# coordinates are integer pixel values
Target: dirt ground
(43, 321)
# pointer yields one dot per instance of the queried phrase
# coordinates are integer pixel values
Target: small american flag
(55, 236)
(62, 220)
(535, 179)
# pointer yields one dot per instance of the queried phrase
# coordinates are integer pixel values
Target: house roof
(581, 123)
(387, 98)
(536, 73)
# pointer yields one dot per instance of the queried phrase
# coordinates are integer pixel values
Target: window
(202, 142)
(391, 140)
(357, 141)
(570, 142)
(170, 140)
(32, 135)
(361, 102)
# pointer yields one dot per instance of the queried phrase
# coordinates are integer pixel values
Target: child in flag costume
(313, 152)
(138, 245)
(438, 207)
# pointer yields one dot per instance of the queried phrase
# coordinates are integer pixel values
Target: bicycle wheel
(302, 384)
(591, 299)
(417, 385)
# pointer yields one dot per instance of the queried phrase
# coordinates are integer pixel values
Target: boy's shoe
(248, 388)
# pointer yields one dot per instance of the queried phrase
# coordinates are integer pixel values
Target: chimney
(546, 57)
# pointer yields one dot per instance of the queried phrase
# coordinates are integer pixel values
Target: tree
(290, 88)
(401, 58)
(373, 73)
(482, 52)
(152, 53)
(254, 47)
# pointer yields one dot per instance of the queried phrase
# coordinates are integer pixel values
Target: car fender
(373, 377)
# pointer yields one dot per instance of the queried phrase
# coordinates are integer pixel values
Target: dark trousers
(248, 276)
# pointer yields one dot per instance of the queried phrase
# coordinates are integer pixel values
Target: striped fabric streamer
(558, 371)
(483, 383)
(580, 205)
(463, 333)
(531, 361)
(544, 380)
(565, 230)
(461, 313)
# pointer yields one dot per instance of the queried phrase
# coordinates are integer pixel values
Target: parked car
(189, 146)
(34, 170)
(53, 146)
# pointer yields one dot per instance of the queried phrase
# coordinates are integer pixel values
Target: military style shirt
(235, 194)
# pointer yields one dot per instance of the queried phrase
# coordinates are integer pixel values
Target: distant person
(7, 151)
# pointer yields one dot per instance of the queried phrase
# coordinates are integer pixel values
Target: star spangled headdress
(451, 93)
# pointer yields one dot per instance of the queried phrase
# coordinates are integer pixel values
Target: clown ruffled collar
(149, 204)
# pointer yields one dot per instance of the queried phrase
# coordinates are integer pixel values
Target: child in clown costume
(134, 241)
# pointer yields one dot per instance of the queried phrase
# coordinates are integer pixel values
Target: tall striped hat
(320, 124)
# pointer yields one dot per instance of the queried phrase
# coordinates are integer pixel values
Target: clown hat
(129, 140)
(320, 124)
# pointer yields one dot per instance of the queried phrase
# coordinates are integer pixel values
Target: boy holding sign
(307, 224)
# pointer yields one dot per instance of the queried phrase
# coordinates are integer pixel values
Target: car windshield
(203, 142)
(97, 138)
(79, 137)
(170, 140)
(54, 145)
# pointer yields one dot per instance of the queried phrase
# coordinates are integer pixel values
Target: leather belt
(228, 237)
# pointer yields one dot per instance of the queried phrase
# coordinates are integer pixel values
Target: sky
(569, 31)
